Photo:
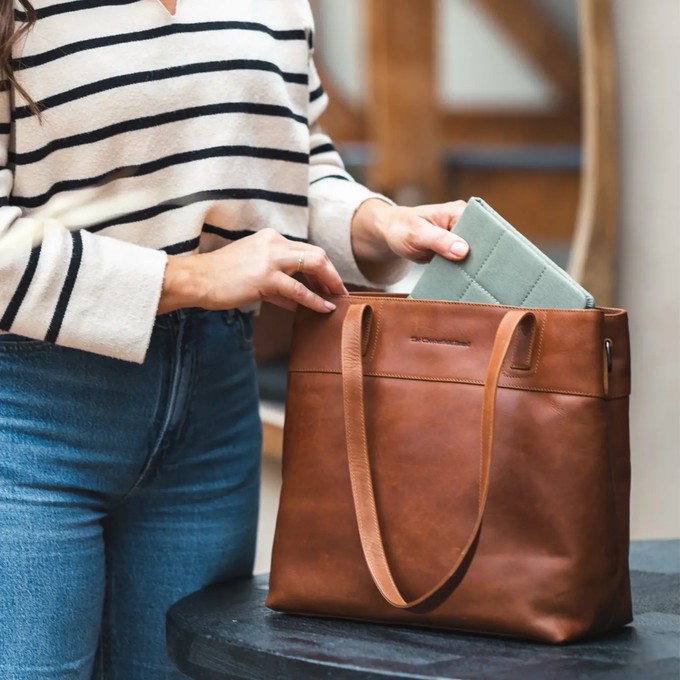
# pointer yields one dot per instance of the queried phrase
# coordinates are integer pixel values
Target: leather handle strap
(358, 456)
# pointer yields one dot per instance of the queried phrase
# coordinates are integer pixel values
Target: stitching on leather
(367, 467)
(376, 337)
(348, 427)
(459, 381)
(374, 516)
(541, 334)
(486, 259)
(518, 363)
(481, 456)
(366, 327)
(544, 323)
(536, 282)
(605, 366)
(481, 305)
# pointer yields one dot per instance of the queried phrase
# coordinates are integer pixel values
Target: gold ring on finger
(300, 264)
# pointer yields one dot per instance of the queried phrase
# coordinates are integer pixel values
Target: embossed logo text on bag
(440, 341)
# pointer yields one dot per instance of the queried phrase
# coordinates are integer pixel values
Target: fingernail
(329, 306)
(460, 248)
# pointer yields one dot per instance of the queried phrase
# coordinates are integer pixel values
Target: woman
(129, 434)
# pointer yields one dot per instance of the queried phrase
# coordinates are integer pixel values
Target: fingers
(281, 302)
(286, 289)
(317, 285)
(293, 257)
(426, 237)
(317, 267)
(261, 267)
(287, 258)
(417, 233)
(444, 215)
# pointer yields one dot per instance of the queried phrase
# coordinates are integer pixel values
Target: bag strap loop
(353, 340)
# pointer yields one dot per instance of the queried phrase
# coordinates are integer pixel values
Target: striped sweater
(209, 115)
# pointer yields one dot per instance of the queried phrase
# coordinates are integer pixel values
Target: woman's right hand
(256, 268)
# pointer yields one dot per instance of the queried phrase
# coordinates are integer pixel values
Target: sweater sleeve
(71, 287)
(334, 197)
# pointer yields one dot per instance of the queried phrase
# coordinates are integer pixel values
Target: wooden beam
(593, 258)
(345, 124)
(510, 128)
(537, 35)
(402, 108)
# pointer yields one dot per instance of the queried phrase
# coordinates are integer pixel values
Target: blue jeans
(123, 487)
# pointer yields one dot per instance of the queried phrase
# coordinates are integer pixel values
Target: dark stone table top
(227, 632)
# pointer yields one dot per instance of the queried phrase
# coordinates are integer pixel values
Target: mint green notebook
(503, 267)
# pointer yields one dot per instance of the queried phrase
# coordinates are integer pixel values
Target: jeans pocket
(242, 325)
(244, 322)
(11, 342)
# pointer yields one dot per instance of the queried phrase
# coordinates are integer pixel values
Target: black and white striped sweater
(209, 115)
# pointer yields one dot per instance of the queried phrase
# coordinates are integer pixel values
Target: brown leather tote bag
(457, 465)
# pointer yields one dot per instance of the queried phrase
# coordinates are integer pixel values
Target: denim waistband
(193, 312)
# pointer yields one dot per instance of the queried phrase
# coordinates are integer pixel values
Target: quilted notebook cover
(503, 267)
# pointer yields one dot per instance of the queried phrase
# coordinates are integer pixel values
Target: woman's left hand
(382, 232)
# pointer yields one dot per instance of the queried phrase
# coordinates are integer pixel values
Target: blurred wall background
(648, 37)
(481, 68)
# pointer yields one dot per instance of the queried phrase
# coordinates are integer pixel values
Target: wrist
(369, 231)
(182, 284)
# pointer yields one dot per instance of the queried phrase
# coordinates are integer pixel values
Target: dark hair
(9, 36)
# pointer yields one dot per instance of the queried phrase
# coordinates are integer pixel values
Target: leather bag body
(457, 465)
